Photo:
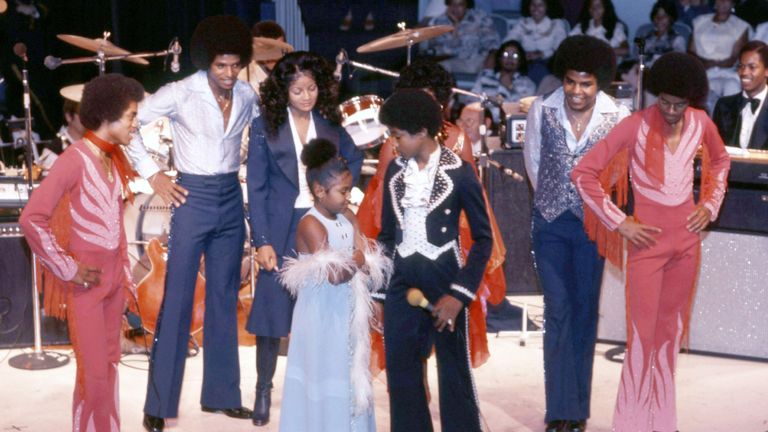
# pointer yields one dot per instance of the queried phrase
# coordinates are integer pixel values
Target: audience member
(598, 19)
(663, 38)
(471, 117)
(688, 10)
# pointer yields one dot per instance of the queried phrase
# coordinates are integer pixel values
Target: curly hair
(424, 73)
(105, 99)
(522, 62)
(274, 90)
(610, 20)
(586, 54)
(681, 75)
(218, 35)
(554, 9)
(412, 110)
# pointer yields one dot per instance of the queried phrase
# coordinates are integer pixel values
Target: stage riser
(730, 313)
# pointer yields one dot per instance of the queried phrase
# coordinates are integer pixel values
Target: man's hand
(87, 276)
(445, 312)
(699, 219)
(377, 319)
(642, 236)
(267, 258)
(169, 191)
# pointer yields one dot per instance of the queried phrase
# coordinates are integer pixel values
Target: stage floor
(714, 394)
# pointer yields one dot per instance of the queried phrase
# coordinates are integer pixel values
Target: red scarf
(114, 152)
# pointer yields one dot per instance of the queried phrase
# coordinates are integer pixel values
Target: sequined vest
(555, 194)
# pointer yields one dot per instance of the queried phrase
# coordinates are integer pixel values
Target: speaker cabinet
(16, 328)
(511, 202)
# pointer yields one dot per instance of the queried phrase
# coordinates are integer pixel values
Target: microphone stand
(640, 91)
(37, 359)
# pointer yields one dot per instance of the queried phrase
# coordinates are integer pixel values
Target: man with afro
(657, 146)
(207, 111)
(560, 130)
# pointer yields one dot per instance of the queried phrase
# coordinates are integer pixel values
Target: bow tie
(753, 104)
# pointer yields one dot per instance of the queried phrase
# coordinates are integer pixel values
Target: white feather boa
(314, 270)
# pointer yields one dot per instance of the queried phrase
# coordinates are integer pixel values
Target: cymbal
(266, 49)
(73, 92)
(94, 45)
(403, 38)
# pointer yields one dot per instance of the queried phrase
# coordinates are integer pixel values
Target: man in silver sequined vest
(561, 128)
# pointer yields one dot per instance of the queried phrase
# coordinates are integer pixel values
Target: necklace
(577, 123)
(102, 158)
(225, 100)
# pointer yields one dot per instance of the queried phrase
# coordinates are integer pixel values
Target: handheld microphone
(20, 49)
(341, 58)
(52, 62)
(416, 299)
(175, 51)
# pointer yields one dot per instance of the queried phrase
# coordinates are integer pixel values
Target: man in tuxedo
(742, 118)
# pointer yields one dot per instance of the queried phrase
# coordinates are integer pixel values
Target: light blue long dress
(317, 394)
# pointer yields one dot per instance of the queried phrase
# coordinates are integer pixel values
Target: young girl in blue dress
(327, 381)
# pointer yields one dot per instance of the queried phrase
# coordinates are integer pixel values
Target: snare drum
(360, 117)
(158, 141)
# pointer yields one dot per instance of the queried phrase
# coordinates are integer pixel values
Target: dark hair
(323, 162)
(218, 35)
(586, 54)
(668, 7)
(682, 75)
(522, 63)
(424, 73)
(610, 20)
(756, 46)
(274, 90)
(624, 67)
(554, 9)
(268, 29)
(470, 3)
(412, 110)
(70, 107)
(105, 98)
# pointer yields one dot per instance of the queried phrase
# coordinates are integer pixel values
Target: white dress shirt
(201, 146)
(604, 104)
(748, 118)
(304, 200)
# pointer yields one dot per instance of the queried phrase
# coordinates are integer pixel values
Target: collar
(604, 104)
(434, 159)
(760, 96)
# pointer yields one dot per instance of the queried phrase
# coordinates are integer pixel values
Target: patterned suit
(424, 243)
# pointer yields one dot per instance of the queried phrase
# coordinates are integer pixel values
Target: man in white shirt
(207, 112)
(742, 118)
(560, 129)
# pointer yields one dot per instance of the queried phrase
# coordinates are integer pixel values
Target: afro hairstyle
(412, 110)
(586, 54)
(424, 73)
(218, 35)
(106, 97)
(681, 75)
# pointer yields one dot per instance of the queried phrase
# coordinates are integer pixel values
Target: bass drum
(146, 218)
(360, 117)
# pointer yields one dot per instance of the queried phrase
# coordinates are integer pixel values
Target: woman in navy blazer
(299, 102)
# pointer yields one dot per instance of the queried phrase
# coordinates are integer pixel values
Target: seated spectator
(540, 32)
(469, 43)
(742, 119)
(663, 38)
(507, 82)
(471, 117)
(598, 19)
(688, 10)
(761, 32)
(717, 39)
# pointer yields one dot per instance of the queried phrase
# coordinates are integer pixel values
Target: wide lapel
(324, 129)
(443, 185)
(397, 189)
(760, 130)
(283, 149)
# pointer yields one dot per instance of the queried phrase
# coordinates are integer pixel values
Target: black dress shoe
(556, 426)
(153, 424)
(261, 406)
(576, 426)
(239, 413)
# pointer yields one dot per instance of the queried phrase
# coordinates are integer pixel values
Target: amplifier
(14, 192)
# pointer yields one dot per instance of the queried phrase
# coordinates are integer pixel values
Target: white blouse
(544, 36)
(715, 41)
(304, 200)
(619, 36)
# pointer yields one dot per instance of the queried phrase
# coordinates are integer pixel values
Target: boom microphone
(20, 50)
(175, 50)
(52, 62)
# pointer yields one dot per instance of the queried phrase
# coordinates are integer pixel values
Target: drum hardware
(640, 91)
(404, 38)
(107, 51)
